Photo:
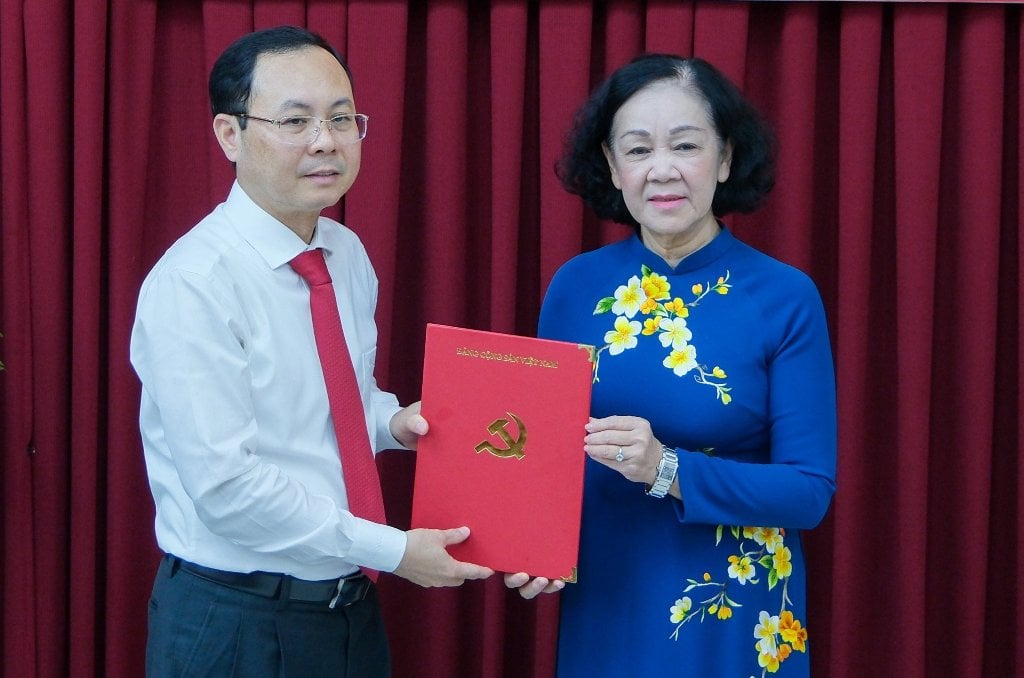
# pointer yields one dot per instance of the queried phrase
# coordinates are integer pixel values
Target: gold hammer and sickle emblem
(513, 448)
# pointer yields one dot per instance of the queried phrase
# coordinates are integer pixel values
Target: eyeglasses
(302, 130)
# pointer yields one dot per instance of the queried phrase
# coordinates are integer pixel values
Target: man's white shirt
(239, 442)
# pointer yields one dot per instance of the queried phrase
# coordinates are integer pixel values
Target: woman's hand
(531, 589)
(625, 444)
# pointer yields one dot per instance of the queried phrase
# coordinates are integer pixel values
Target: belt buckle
(355, 580)
(337, 593)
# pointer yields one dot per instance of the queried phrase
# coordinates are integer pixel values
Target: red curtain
(899, 193)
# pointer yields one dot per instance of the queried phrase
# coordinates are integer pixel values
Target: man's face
(293, 183)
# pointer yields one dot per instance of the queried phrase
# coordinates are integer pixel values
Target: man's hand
(407, 425)
(427, 563)
(532, 588)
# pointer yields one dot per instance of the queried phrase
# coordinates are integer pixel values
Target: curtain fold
(15, 382)
(1007, 595)
(863, 234)
(84, 592)
(899, 192)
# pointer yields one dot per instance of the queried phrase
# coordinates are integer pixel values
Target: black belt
(334, 592)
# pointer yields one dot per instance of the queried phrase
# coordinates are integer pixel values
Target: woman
(713, 431)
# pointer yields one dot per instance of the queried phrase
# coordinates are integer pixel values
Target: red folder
(504, 454)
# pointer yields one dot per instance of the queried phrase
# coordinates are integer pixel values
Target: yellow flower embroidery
(655, 286)
(760, 548)
(782, 560)
(650, 295)
(767, 648)
(792, 632)
(680, 609)
(628, 298)
(681, 361)
(769, 537)
(677, 307)
(766, 629)
(623, 336)
(674, 333)
(740, 568)
(768, 661)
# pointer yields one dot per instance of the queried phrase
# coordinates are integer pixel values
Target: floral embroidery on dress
(777, 636)
(665, 316)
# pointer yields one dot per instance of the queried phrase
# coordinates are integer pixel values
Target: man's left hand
(408, 425)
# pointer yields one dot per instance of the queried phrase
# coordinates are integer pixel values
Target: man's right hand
(426, 561)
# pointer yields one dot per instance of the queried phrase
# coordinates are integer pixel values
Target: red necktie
(362, 482)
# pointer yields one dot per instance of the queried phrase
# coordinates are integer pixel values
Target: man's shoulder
(202, 247)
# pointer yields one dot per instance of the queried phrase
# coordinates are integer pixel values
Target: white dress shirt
(237, 431)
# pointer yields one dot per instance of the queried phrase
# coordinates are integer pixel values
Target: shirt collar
(691, 262)
(273, 241)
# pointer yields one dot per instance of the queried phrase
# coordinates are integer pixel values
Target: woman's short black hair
(231, 76)
(583, 169)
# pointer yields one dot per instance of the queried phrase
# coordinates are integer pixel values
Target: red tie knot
(312, 267)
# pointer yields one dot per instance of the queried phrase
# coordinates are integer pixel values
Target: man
(262, 573)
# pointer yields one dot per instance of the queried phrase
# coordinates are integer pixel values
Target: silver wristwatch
(667, 468)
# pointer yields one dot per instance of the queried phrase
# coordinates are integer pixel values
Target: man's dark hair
(583, 168)
(231, 77)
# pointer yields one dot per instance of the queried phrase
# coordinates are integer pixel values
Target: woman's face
(666, 158)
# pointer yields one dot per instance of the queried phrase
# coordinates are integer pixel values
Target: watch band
(667, 468)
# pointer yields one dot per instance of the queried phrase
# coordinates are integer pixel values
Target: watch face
(667, 468)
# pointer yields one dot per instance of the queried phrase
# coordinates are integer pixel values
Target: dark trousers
(203, 628)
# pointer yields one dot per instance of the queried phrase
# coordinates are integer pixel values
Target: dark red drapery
(899, 192)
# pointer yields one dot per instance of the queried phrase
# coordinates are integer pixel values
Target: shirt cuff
(383, 413)
(379, 547)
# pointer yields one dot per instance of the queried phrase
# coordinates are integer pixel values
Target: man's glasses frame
(299, 126)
